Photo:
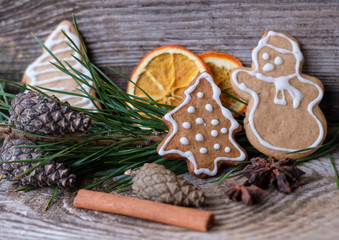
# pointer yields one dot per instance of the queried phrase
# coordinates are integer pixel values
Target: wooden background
(119, 34)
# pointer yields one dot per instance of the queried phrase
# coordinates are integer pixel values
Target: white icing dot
(268, 67)
(200, 94)
(209, 107)
(191, 109)
(199, 121)
(184, 141)
(223, 130)
(227, 149)
(199, 137)
(216, 146)
(278, 60)
(215, 122)
(203, 150)
(214, 133)
(265, 56)
(186, 125)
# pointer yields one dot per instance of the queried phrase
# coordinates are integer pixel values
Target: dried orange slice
(221, 65)
(165, 73)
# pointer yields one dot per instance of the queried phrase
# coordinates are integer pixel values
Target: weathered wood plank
(120, 33)
(309, 212)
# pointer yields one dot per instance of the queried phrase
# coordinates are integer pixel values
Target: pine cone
(34, 113)
(157, 183)
(52, 173)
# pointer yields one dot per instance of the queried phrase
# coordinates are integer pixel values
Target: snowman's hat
(281, 41)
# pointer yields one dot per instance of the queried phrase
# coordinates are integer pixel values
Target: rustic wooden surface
(119, 33)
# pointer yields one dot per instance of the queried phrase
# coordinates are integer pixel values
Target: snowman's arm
(316, 81)
(242, 80)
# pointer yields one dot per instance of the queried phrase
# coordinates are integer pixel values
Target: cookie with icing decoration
(201, 130)
(43, 74)
(283, 114)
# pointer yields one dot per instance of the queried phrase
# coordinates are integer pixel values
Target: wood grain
(310, 212)
(119, 34)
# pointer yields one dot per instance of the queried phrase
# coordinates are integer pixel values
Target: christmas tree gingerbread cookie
(283, 115)
(43, 74)
(201, 130)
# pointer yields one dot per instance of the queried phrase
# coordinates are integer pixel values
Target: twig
(144, 139)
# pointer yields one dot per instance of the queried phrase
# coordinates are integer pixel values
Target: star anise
(246, 193)
(281, 174)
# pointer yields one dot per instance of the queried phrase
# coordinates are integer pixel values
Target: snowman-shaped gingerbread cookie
(283, 115)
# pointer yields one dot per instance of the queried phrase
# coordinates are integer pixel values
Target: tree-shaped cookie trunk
(201, 130)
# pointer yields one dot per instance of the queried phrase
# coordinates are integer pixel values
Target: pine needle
(335, 170)
(52, 198)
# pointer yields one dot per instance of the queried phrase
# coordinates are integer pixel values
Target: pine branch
(121, 125)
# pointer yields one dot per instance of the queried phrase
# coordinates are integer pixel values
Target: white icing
(265, 56)
(278, 60)
(227, 149)
(200, 94)
(184, 141)
(281, 84)
(199, 137)
(214, 133)
(216, 146)
(33, 74)
(199, 121)
(191, 109)
(215, 122)
(225, 112)
(186, 125)
(223, 130)
(203, 150)
(209, 107)
(268, 67)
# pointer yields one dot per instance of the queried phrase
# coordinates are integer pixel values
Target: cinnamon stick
(154, 211)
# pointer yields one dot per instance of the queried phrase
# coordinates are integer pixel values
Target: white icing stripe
(281, 84)
(50, 43)
(57, 89)
(226, 113)
(55, 79)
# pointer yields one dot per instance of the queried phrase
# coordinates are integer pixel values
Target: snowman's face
(273, 63)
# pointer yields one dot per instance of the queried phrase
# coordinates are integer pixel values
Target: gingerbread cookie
(201, 130)
(43, 74)
(283, 115)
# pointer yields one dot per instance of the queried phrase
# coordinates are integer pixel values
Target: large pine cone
(157, 183)
(52, 173)
(34, 113)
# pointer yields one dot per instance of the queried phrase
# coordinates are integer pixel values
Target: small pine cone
(52, 173)
(157, 183)
(34, 113)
